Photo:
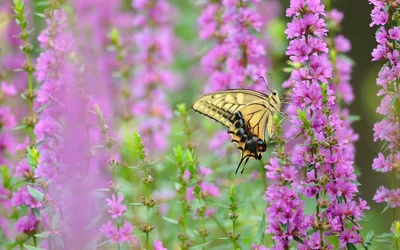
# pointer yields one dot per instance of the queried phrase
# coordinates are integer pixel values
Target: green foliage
(139, 146)
(36, 194)
(32, 156)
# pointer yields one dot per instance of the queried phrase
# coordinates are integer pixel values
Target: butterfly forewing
(246, 114)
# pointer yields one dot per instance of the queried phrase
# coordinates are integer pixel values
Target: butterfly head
(274, 100)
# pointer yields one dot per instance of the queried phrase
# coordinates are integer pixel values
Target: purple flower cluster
(234, 57)
(237, 58)
(324, 150)
(124, 231)
(56, 42)
(340, 82)
(27, 224)
(10, 84)
(387, 130)
(154, 41)
(285, 215)
(207, 189)
(158, 245)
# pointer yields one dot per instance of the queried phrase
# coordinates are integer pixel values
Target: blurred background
(192, 81)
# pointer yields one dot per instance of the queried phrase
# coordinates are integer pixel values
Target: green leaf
(136, 204)
(33, 156)
(42, 3)
(386, 208)
(354, 118)
(261, 231)
(200, 246)
(223, 238)
(350, 246)
(303, 117)
(40, 15)
(42, 235)
(6, 176)
(370, 236)
(139, 147)
(40, 143)
(103, 243)
(385, 235)
(355, 182)
(114, 36)
(36, 212)
(102, 190)
(296, 238)
(45, 106)
(36, 194)
(32, 247)
(55, 221)
(170, 220)
(20, 127)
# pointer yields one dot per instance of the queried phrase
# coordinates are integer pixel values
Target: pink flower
(158, 245)
(116, 208)
(209, 189)
(110, 232)
(381, 164)
(22, 169)
(210, 212)
(381, 194)
(189, 194)
(342, 44)
(205, 171)
(394, 33)
(27, 224)
(125, 232)
(8, 89)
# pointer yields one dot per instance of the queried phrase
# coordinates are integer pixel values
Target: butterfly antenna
(266, 85)
(294, 137)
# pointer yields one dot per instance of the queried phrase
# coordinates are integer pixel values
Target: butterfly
(247, 114)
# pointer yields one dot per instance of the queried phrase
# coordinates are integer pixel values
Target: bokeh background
(355, 26)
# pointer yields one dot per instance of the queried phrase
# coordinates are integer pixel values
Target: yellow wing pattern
(246, 114)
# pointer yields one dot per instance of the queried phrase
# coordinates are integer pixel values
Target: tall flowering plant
(388, 34)
(328, 179)
(237, 56)
(385, 15)
(154, 41)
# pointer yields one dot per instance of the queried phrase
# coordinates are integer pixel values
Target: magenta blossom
(124, 234)
(116, 208)
(158, 245)
(27, 224)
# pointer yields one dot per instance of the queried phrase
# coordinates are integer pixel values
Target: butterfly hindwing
(246, 114)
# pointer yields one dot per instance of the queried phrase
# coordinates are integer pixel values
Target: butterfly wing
(246, 114)
(221, 106)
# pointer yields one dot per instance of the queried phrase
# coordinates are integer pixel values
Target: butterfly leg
(244, 165)
(237, 169)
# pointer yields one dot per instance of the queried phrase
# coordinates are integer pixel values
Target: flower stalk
(29, 68)
(233, 216)
(147, 180)
(386, 17)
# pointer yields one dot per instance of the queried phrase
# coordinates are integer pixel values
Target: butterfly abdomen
(248, 143)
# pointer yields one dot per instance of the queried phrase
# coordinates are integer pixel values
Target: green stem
(234, 234)
(394, 186)
(147, 241)
(34, 240)
(203, 226)
(147, 207)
